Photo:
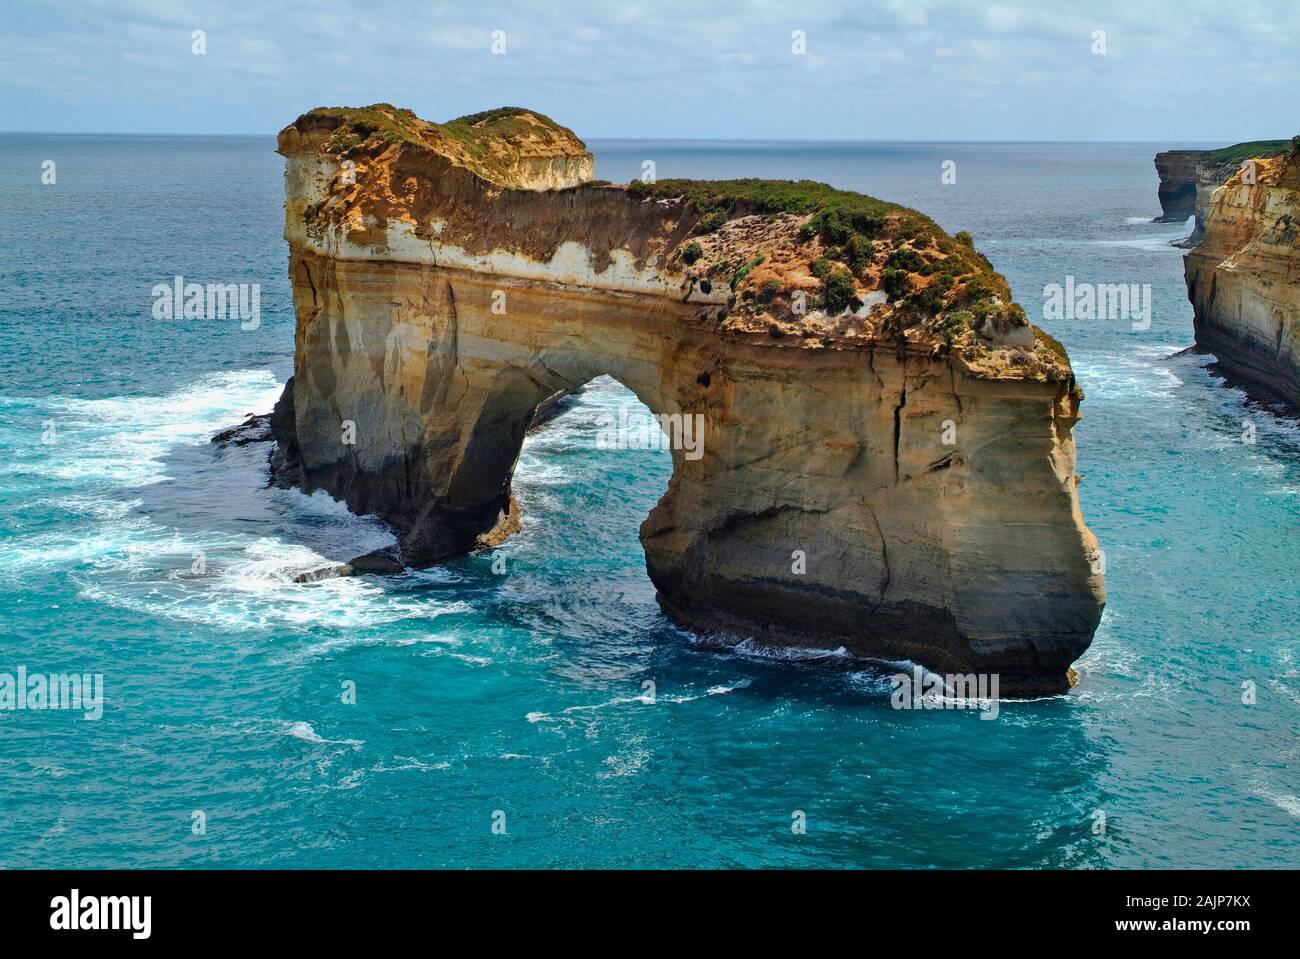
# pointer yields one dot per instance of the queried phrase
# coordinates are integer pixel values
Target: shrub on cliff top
(942, 282)
(858, 251)
(837, 290)
(832, 226)
(977, 288)
(390, 122)
(956, 321)
(904, 258)
(691, 252)
(710, 222)
(929, 299)
(895, 283)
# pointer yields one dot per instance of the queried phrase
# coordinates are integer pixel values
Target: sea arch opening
(593, 465)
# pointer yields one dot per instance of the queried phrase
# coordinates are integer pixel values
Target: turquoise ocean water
(522, 693)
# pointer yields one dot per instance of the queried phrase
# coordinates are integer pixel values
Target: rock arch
(441, 298)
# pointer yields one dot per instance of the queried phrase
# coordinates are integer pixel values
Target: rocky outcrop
(1243, 278)
(1177, 190)
(1188, 178)
(873, 447)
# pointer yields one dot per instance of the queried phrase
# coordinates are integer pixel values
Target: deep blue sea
(518, 697)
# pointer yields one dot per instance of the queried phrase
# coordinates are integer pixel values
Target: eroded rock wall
(1243, 278)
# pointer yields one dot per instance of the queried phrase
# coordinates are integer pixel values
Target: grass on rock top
(1240, 152)
(751, 195)
(508, 121)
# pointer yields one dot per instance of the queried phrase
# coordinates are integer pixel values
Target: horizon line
(627, 139)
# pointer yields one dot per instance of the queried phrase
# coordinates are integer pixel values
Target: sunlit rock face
(1188, 179)
(1243, 278)
(880, 453)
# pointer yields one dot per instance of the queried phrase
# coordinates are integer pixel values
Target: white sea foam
(407, 764)
(1160, 243)
(122, 557)
(758, 650)
(1139, 371)
(1287, 802)
(625, 765)
(120, 440)
(246, 583)
(305, 732)
(665, 698)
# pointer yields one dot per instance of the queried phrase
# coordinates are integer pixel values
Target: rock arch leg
(393, 416)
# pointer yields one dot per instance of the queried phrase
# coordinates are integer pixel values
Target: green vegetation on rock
(506, 122)
(838, 214)
(852, 228)
(487, 142)
(744, 270)
(896, 283)
(1240, 152)
(838, 290)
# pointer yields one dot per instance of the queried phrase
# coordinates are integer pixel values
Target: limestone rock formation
(1243, 278)
(886, 463)
(1177, 190)
(1188, 178)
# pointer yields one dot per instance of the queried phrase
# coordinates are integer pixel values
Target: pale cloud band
(1172, 70)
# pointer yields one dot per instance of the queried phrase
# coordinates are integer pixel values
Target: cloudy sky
(1172, 70)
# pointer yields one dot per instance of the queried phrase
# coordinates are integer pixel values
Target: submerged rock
(380, 562)
(255, 429)
(328, 571)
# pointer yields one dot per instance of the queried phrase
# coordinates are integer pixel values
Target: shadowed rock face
(1243, 278)
(886, 462)
(1177, 190)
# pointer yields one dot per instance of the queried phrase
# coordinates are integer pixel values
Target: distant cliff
(885, 458)
(1177, 190)
(1243, 277)
(1189, 177)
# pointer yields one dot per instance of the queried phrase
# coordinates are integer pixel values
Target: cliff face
(886, 462)
(1243, 278)
(1188, 178)
(1177, 190)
